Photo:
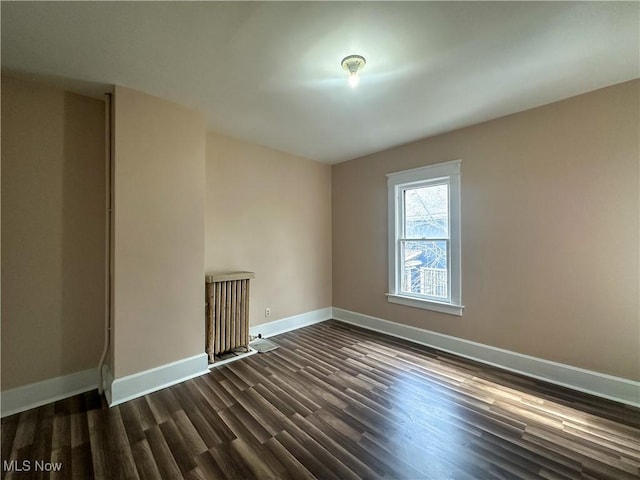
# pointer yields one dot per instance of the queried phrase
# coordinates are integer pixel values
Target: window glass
(426, 212)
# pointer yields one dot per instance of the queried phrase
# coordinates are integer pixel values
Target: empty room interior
(332, 240)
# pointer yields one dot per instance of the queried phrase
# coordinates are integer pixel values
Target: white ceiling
(269, 72)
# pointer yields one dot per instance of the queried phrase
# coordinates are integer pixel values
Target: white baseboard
(599, 384)
(291, 323)
(142, 383)
(37, 394)
(132, 386)
(107, 380)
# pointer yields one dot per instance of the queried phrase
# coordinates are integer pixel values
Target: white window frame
(398, 182)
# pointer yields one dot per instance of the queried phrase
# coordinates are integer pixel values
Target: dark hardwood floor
(335, 402)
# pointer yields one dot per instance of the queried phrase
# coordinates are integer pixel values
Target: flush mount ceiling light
(353, 64)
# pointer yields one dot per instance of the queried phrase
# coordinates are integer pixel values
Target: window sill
(426, 304)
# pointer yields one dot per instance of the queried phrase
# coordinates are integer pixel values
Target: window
(424, 238)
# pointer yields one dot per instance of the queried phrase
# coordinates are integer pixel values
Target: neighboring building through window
(424, 238)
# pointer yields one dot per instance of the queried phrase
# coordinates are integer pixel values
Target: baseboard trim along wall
(132, 386)
(37, 394)
(120, 390)
(599, 384)
(141, 383)
(291, 323)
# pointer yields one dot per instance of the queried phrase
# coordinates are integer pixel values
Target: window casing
(424, 238)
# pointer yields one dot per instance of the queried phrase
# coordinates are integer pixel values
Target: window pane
(426, 212)
(424, 268)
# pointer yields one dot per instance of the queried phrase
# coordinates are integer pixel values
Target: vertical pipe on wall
(107, 259)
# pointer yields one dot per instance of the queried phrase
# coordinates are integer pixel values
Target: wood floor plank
(339, 432)
(146, 465)
(335, 449)
(334, 420)
(102, 457)
(261, 462)
(243, 425)
(209, 467)
(315, 448)
(196, 474)
(294, 468)
(194, 443)
(159, 408)
(144, 413)
(212, 393)
(8, 435)
(132, 422)
(398, 467)
(162, 455)
(288, 401)
(205, 430)
(179, 447)
(238, 382)
(82, 461)
(61, 445)
(299, 393)
(306, 458)
(245, 373)
(230, 463)
(266, 419)
(335, 402)
(26, 429)
(110, 448)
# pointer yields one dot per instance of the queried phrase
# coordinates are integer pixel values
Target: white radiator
(227, 312)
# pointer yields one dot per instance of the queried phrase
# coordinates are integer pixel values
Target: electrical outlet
(267, 312)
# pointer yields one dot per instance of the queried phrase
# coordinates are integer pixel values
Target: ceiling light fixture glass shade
(353, 64)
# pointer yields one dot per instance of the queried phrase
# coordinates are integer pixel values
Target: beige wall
(159, 169)
(550, 231)
(52, 232)
(269, 212)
